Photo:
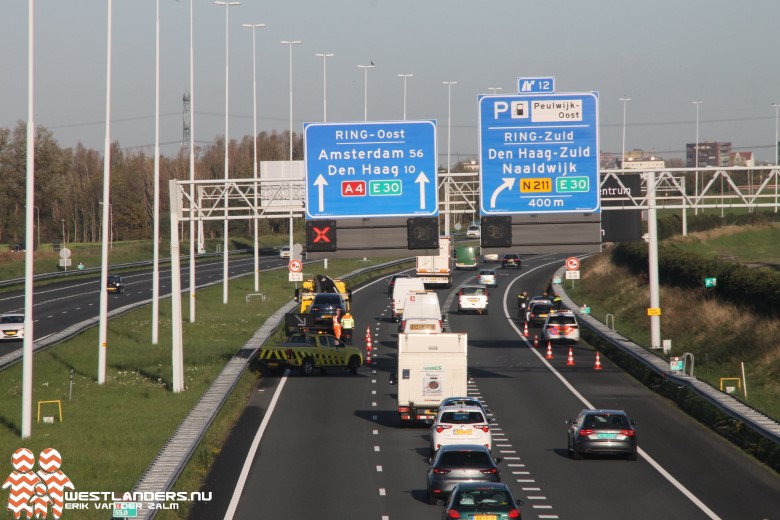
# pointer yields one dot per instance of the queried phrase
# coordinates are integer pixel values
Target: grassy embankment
(110, 433)
(720, 335)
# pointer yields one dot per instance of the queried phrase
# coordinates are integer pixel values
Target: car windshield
(327, 299)
(11, 319)
(462, 418)
(562, 320)
(460, 402)
(482, 497)
(541, 308)
(113, 279)
(487, 273)
(473, 291)
(465, 459)
(605, 422)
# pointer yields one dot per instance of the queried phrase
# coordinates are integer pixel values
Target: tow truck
(305, 352)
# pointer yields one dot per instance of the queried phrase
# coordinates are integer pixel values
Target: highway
(331, 446)
(64, 303)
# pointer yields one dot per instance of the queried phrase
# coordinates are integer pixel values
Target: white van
(401, 287)
(421, 305)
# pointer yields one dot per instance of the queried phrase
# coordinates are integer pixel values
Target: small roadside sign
(653, 311)
(572, 275)
(572, 263)
(710, 282)
(677, 364)
(296, 266)
(295, 277)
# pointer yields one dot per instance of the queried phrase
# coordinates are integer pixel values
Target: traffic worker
(347, 326)
(557, 302)
(522, 303)
(337, 324)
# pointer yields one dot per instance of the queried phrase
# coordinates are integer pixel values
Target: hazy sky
(663, 54)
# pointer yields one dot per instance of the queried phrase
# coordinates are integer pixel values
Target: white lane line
(250, 457)
(382, 492)
(379, 469)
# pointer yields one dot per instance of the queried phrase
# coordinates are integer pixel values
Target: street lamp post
(291, 43)
(156, 203)
(405, 76)
(449, 134)
(493, 90)
(225, 254)
(777, 151)
(63, 232)
(38, 224)
(696, 151)
(365, 88)
(623, 154)
(324, 56)
(254, 26)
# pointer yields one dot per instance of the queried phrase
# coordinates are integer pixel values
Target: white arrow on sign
(421, 180)
(321, 183)
(507, 183)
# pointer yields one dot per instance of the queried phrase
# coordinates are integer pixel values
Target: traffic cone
(368, 333)
(549, 354)
(570, 360)
(536, 340)
(525, 329)
(597, 366)
(369, 348)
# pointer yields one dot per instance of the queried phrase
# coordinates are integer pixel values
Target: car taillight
(403, 324)
(441, 471)
(585, 433)
(440, 428)
(514, 513)
(627, 433)
(403, 409)
(484, 427)
(489, 471)
(453, 513)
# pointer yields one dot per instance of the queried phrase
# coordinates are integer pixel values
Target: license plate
(463, 432)
(418, 326)
(473, 300)
(485, 517)
(606, 435)
(273, 364)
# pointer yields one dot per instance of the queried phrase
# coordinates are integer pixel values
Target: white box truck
(437, 270)
(431, 367)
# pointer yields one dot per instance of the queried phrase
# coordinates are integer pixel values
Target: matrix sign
(539, 153)
(372, 169)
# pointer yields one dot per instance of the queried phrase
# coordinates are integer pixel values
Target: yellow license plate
(485, 517)
(419, 326)
(464, 432)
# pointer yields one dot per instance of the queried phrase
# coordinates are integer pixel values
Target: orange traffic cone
(525, 329)
(368, 333)
(570, 360)
(549, 351)
(536, 341)
(597, 366)
(369, 348)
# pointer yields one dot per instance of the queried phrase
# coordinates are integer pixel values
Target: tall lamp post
(254, 26)
(449, 134)
(777, 151)
(625, 100)
(291, 43)
(324, 56)
(696, 161)
(405, 76)
(225, 243)
(38, 224)
(493, 90)
(365, 88)
(192, 167)
(156, 204)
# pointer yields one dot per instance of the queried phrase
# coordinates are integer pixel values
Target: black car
(538, 312)
(472, 500)
(115, 284)
(511, 260)
(324, 306)
(602, 432)
(457, 463)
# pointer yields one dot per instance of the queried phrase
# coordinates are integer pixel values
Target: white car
(490, 257)
(473, 298)
(11, 326)
(284, 252)
(460, 425)
(473, 232)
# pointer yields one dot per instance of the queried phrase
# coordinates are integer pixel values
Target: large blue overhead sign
(372, 169)
(539, 153)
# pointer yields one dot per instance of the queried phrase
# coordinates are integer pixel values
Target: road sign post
(539, 153)
(371, 169)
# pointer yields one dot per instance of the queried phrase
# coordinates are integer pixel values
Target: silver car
(487, 277)
(602, 432)
(459, 463)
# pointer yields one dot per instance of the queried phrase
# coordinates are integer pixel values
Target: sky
(661, 54)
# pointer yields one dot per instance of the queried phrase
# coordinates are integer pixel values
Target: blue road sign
(536, 85)
(539, 153)
(371, 169)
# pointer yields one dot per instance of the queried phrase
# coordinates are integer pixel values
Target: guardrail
(725, 403)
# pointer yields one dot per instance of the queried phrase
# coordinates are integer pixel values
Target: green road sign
(710, 282)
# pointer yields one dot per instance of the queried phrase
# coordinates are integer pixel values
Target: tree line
(69, 184)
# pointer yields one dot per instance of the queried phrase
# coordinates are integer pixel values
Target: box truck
(437, 270)
(431, 367)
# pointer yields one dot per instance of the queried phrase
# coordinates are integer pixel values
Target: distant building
(742, 159)
(709, 153)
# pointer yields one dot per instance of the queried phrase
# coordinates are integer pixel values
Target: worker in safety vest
(347, 326)
(337, 324)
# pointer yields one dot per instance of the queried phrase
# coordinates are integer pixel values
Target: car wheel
(432, 500)
(485, 311)
(307, 368)
(632, 456)
(354, 364)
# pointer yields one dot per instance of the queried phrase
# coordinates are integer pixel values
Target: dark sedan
(476, 500)
(511, 260)
(457, 463)
(602, 432)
